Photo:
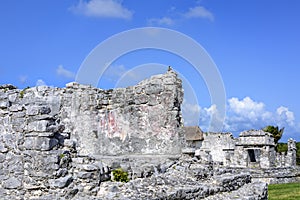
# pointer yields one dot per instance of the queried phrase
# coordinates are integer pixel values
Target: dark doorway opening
(253, 155)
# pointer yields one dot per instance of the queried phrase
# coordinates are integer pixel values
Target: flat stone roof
(193, 133)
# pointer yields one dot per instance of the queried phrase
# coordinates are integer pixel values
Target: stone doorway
(253, 157)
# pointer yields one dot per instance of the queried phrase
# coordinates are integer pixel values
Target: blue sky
(254, 44)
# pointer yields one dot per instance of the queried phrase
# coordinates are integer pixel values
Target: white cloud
(194, 115)
(61, 71)
(190, 113)
(195, 12)
(102, 8)
(40, 82)
(244, 114)
(246, 108)
(161, 21)
(199, 12)
(248, 114)
(285, 115)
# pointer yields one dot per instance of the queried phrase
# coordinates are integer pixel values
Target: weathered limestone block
(60, 182)
(55, 128)
(69, 143)
(32, 110)
(12, 140)
(12, 183)
(14, 163)
(18, 122)
(15, 108)
(12, 97)
(8, 87)
(88, 175)
(16, 115)
(154, 100)
(154, 89)
(36, 110)
(40, 134)
(40, 143)
(40, 126)
(4, 104)
(3, 149)
(215, 143)
(88, 167)
(40, 167)
(72, 85)
(2, 157)
(141, 99)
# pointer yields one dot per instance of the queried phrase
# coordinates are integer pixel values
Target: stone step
(250, 191)
(175, 185)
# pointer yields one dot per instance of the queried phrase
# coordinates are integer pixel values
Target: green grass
(288, 191)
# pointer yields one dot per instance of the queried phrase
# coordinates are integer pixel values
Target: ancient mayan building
(65, 143)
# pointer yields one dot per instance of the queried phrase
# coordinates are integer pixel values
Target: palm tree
(276, 132)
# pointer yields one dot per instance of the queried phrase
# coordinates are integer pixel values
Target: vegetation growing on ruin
(61, 156)
(120, 175)
(276, 132)
(23, 92)
(289, 191)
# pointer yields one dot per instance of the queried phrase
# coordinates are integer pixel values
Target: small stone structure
(253, 150)
(193, 137)
(216, 144)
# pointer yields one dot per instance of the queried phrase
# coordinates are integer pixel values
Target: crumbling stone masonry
(253, 150)
(63, 143)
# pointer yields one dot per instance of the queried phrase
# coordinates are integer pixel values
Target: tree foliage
(298, 153)
(282, 147)
(276, 132)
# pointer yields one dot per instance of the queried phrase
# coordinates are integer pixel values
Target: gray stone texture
(253, 150)
(64, 143)
(53, 141)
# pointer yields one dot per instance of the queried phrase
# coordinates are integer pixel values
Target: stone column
(291, 154)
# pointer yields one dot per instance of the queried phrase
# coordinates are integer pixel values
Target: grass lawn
(289, 191)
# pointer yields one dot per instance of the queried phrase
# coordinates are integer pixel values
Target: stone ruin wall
(60, 143)
(232, 152)
(51, 138)
(271, 167)
(216, 143)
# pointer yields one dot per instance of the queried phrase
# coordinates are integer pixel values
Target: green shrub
(23, 92)
(120, 175)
